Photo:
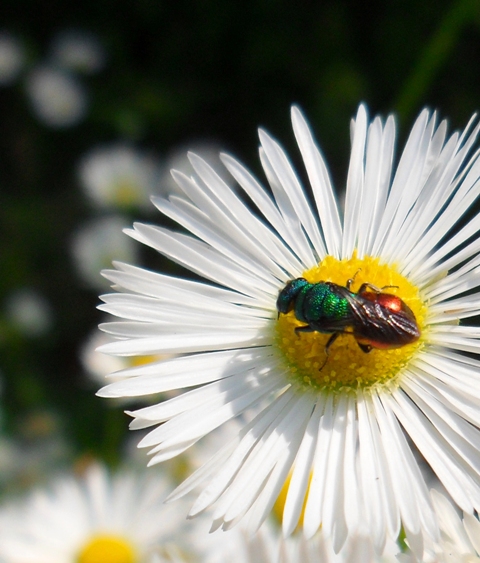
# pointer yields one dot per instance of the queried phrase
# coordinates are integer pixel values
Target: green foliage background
(179, 71)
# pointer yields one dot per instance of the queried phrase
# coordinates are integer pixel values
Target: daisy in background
(95, 243)
(97, 519)
(268, 546)
(39, 448)
(78, 50)
(97, 366)
(57, 98)
(12, 58)
(459, 536)
(119, 177)
(333, 421)
(29, 312)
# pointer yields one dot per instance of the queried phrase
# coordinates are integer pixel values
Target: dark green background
(178, 71)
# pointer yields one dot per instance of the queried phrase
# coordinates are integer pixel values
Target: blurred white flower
(119, 176)
(459, 536)
(29, 312)
(269, 546)
(58, 99)
(8, 455)
(12, 58)
(31, 456)
(100, 518)
(99, 366)
(78, 50)
(171, 554)
(96, 244)
(96, 364)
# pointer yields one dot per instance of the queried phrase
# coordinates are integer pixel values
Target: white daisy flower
(337, 423)
(12, 58)
(268, 546)
(119, 519)
(94, 245)
(98, 366)
(57, 98)
(78, 50)
(29, 312)
(459, 537)
(119, 176)
(169, 558)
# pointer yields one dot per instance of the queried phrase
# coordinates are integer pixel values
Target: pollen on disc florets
(348, 368)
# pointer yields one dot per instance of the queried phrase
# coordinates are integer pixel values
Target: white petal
(412, 158)
(334, 521)
(370, 476)
(448, 466)
(257, 468)
(205, 471)
(185, 371)
(355, 185)
(408, 483)
(255, 433)
(187, 343)
(378, 168)
(270, 212)
(153, 284)
(289, 434)
(320, 182)
(313, 508)
(293, 190)
(200, 258)
(198, 421)
(298, 240)
(224, 235)
(300, 479)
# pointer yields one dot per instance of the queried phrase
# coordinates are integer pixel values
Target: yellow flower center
(107, 549)
(347, 367)
(135, 361)
(125, 193)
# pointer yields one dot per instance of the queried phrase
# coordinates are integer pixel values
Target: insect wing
(380, 326)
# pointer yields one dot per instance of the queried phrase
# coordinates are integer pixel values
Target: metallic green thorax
(316, 302)
(313, 303)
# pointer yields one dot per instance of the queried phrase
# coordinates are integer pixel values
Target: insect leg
(374, 288)
(364, 347)
(306, 328)
(351, 280)
(328, 345)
